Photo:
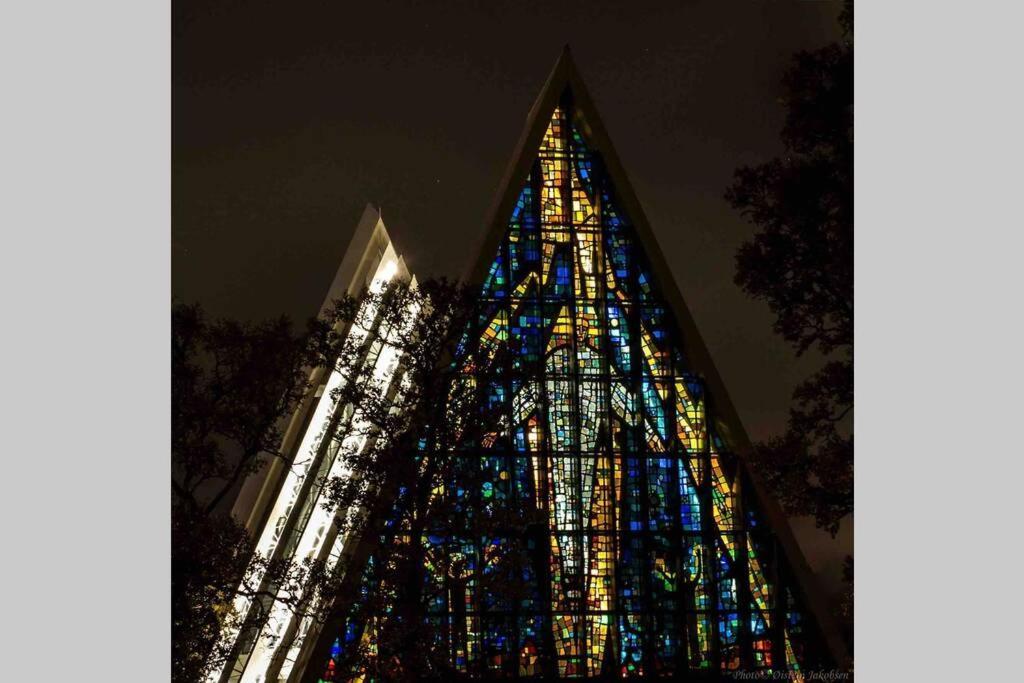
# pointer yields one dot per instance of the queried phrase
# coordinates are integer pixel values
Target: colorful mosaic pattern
(648, 560)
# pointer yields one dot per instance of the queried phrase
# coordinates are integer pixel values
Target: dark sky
(288, 117)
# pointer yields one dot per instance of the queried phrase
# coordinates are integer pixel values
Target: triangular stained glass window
(645, 555)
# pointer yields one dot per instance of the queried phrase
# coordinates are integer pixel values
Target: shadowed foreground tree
(801, 263)
(232, 386)
(411, 445)
(236, 386)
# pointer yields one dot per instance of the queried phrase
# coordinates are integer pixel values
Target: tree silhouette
(800, 261)
(232, 386)
(235, 387)
(412, 442)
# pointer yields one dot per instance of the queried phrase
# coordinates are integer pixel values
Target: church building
(652, 550)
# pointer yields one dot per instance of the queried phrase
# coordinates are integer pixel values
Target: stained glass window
(648, 559)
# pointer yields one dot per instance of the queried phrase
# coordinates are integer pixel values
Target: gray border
(938, 361)
(85, 282)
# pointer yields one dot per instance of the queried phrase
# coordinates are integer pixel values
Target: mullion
(606, 372)
(544, 446)
(579, 627)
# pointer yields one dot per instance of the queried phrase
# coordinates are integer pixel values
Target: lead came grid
(648, 563)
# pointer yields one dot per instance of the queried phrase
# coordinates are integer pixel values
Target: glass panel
(635, 555)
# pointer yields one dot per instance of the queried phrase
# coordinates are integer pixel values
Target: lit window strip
(314, 535)
(315, 531)
(310, 444)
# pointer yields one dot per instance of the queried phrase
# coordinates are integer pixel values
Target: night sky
(287, 118)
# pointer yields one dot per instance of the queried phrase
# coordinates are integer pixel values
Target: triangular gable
(604, 413)
(564, 79)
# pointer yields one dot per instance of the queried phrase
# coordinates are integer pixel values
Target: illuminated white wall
(311, 543)
(312, 537)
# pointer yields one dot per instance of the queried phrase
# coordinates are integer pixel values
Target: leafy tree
(234, 389)
(800, 261)
(231, 386)
(413, 448)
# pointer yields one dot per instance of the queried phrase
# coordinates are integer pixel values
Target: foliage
(233, 388)
(208, 557)
(231, 384)
(408, 466)
(800, 262)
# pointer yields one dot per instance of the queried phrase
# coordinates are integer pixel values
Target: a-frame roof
(726, 420)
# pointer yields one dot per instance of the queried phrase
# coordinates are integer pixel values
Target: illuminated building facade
(653, 551)
(282, 504)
